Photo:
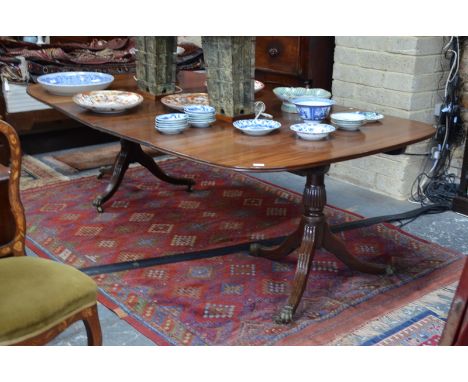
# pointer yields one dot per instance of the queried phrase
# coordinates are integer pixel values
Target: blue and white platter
(71, 83)
(256, 126)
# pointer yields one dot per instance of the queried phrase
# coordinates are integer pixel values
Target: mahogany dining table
(223, 146)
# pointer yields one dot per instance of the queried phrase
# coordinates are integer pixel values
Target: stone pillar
(397, 76)
(156, 64)
(230, 65)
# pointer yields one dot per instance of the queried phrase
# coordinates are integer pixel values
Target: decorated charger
(70, 83)
(312, 132)
(256, 126)
(108, 101)
(181, 100)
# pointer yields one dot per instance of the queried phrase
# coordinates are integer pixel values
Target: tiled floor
(447, 229)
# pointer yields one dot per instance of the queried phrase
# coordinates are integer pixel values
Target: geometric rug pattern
(227, 300)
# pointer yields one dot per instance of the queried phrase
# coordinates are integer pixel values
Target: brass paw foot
(98, 204)
(285, 316)
(254, 249)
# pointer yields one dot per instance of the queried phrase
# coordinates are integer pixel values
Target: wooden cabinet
(295, 61)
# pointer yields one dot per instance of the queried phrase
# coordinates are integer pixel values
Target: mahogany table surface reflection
(222, 145)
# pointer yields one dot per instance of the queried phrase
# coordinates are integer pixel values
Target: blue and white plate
(172, 118)
(171, 130)
(312, 132)
(199, 109)
(70, 83)
(371, 116)
(256, 126)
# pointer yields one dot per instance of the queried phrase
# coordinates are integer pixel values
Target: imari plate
(108, 101)
(179, 101)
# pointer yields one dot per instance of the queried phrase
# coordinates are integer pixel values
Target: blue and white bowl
(71, 83)
(312, 132)
(256, 126)
(312, 109)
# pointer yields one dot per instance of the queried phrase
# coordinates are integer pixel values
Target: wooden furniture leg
(93, 327)
(132, 152)
(313, 232)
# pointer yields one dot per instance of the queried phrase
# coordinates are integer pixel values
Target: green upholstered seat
(36, 294)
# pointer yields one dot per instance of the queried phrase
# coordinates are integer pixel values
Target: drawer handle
(273, 52)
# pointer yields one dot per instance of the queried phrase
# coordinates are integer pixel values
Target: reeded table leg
(132, 152)
(313, 232)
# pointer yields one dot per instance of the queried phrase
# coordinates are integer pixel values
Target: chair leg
(93, 327)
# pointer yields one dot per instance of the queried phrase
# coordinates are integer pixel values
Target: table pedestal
(132, 152)
(313, 233)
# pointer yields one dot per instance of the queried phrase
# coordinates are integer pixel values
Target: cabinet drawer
(278, 54)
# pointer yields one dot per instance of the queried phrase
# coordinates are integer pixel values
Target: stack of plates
(173, 123)
(348, 121)
(200, 115)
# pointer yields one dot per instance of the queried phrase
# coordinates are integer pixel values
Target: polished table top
(222, 145)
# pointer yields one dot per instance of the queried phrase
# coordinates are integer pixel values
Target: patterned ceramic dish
(312, 132)
(256, 126)
(180, 101)
(286, 94)
(108, 101)
(70, 83)
(311, 109)
(348, 121)
(371, 116)
(258, 86)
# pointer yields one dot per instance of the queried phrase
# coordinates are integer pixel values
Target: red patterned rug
(227, 300)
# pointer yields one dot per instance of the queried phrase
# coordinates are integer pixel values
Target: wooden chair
(39, 298)
(456, 329)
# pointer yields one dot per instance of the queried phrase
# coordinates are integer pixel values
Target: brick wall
(457, 159)
(398, 76)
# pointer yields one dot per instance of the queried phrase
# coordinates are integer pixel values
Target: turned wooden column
(313, 232)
